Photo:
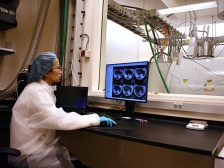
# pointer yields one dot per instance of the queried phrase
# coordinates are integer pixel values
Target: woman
(35, 118)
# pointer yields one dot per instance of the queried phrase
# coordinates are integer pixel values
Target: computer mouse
(104, 124)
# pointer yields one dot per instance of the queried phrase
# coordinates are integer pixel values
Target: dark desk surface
(167, 134)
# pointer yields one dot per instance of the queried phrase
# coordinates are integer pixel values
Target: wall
(92, 27)
(26, 15)
(128, 48)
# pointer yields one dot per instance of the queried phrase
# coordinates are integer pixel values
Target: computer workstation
(128, 82)
(124, 82)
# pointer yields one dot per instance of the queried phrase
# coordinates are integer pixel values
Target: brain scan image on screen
(128, 90)
(129, 73)
(117, 89)
(139, 90)
(140, 73)
(118, 73)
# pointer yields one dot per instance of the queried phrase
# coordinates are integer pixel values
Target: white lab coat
(34, 121)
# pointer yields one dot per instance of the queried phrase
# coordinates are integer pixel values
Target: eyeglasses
(59, 68)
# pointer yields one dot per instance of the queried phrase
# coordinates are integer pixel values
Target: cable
(183, 85)
(74, 76)
(66, 77)
(64, 32)
(215, 73)
(114, 107)
(219, 53)
(87, 43)
(17, 94)
(164, 45)
(155, 58)
(190, 26)
(195, 16)
(194, 90)
(111, 108)
(212, 26)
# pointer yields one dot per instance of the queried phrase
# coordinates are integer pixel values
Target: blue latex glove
(108, 121)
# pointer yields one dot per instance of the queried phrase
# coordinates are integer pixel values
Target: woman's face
(54, 75)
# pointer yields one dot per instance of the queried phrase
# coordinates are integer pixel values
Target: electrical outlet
(179, 105)
(175, 105)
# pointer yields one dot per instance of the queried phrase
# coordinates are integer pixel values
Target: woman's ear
(46, 76)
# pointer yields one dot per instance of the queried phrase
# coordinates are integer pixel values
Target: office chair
(4, 153)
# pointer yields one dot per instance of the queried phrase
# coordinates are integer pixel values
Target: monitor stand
(130, 107)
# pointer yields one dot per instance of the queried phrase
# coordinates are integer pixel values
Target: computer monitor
(127, 82)
(72, 98)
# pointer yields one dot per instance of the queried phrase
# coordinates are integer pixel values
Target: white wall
(122, 45)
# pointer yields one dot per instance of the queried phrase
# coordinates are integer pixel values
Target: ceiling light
(186, 8)
(220, 9)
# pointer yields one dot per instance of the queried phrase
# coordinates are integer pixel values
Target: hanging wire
(191, 25)
(87, 43)
(64, 32)
(143, 7)
(185, 21)
(212, 25)
(149, 39)
(215, 29)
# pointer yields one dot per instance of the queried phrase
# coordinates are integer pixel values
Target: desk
(168, 134)
(162, 133)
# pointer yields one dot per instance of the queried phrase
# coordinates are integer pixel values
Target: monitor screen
(72, 98)
(127, 81)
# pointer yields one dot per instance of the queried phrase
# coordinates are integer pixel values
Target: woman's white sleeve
(44, 114)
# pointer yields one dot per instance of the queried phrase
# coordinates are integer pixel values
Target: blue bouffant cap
(42, 64)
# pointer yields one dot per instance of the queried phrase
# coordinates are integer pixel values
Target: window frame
(198, 103)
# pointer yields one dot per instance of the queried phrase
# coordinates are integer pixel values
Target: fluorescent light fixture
(186, 8)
